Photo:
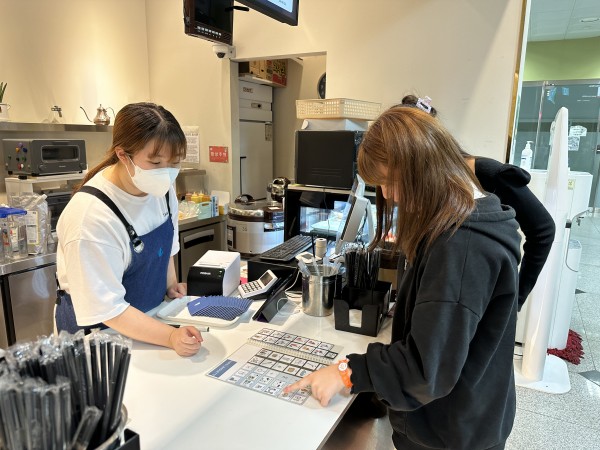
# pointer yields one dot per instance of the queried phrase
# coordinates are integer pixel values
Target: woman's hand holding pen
(186, 341)
(324, 384)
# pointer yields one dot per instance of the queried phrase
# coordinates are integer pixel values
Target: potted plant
(4, 107)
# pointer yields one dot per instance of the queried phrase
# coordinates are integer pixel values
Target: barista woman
(118, 234)
(447, 375)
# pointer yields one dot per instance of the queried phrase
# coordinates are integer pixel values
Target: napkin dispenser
(216, 273)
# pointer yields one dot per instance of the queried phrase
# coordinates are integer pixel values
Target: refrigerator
(256, 139)
(28, 290)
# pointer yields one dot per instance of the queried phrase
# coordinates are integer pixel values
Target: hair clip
(424, 104)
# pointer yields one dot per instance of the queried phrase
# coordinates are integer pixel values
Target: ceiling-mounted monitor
(285, 11)
(209, 19)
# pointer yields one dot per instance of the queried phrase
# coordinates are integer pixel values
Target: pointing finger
(300, 384)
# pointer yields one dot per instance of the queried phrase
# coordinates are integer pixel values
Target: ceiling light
(589, 19)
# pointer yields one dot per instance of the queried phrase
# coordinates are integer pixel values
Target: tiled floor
(569, 421)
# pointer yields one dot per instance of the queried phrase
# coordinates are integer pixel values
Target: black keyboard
(288, 250)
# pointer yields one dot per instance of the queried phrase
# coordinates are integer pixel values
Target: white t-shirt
(477, 193)
(93, 247)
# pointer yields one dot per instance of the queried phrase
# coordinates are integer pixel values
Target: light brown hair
(425, 167)
(137, 124)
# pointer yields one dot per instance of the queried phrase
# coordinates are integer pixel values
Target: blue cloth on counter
(220, 307)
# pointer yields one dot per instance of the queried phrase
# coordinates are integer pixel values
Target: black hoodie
(509, 183)
(447, 377)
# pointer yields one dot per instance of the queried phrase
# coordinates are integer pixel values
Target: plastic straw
(303, 268)
(49, 387)
(120, 389)
(89, 421)
(94, 370)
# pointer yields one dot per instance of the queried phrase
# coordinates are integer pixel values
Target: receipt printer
(216, 273)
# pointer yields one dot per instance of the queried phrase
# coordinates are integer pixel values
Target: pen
(200, 329)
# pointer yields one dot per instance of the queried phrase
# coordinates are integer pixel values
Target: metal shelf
(252, 79)
(45, 178)
(27, 263)
(25, 126)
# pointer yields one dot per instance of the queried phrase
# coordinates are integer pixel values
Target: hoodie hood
(496, 221)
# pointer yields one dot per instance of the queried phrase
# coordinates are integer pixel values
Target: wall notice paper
(573, 143)
(577, 130)
(272, 360)
(193, 144)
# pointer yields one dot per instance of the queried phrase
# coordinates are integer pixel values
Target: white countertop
(172, 404)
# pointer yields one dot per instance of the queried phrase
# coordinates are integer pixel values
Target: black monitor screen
(285, 11)
(209, 19)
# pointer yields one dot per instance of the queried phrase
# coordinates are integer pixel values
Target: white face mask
(155, 182)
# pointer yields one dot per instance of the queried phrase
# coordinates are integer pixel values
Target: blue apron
(145, 280)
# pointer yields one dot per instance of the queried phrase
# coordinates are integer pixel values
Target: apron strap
(169, 208)
(137, 243)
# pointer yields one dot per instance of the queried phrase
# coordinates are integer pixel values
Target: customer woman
(509, 183)
(447, 375)
(118, 234)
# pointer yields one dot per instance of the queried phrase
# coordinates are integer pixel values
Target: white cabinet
(256, 139)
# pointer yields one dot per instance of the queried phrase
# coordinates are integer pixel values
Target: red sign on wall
(218, 154)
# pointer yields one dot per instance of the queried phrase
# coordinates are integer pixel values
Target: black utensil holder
(374, 304)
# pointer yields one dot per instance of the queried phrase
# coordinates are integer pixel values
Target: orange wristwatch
(343, 369)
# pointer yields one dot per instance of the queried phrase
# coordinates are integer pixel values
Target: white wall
(75, 53)
(303, 76)
(187, 77)
(82, 52)
(462, 53)
(72, 53)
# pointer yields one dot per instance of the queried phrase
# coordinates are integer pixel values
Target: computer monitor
(209, 19)
(357, 216)
(285, 11)
(330, 222)
(358, 187)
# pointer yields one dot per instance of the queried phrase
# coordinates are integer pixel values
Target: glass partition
(539, 103)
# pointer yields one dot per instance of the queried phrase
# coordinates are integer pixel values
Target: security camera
(224, 51)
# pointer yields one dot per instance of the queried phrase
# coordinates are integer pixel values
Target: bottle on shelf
(526, 156)
(14, 233)
(196, 198)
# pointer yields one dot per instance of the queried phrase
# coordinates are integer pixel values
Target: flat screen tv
(209, 19)
(285, 11)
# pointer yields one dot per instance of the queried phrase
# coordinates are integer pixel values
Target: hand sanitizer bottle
(526, 156)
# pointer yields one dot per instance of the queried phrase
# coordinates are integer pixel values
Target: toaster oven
(38, 157)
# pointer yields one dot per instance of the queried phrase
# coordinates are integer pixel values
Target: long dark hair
(137, 124)
(425, 167)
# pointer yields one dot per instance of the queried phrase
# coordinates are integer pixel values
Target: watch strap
(344, 373)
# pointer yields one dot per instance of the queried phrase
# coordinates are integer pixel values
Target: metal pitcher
(102, 117)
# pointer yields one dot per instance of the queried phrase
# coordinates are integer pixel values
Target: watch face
(342, 366)
(321, 86)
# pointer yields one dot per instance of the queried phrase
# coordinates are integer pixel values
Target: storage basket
(337, 108)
